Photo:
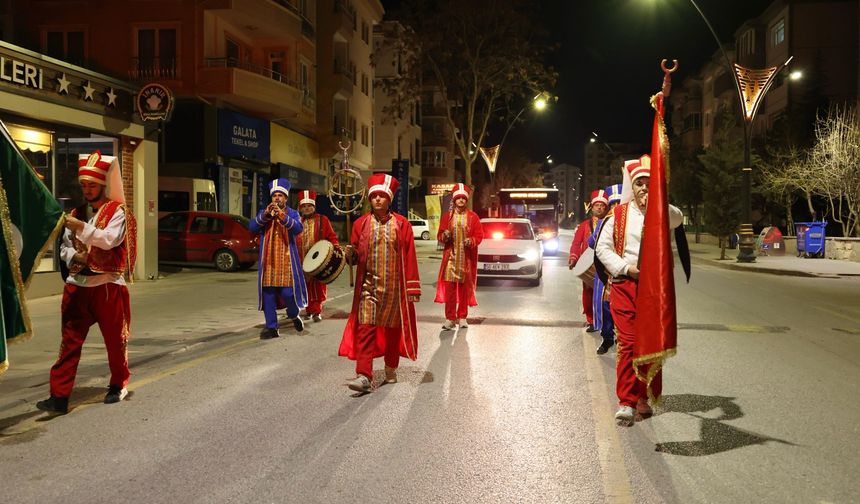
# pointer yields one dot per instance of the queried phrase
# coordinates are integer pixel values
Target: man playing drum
(382, 320)
(580, 244)
(281, 281)
(460, 230)
(315, 227)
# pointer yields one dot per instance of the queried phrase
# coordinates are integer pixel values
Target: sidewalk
(788, 265)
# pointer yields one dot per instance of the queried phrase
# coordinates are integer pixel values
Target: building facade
(604, 162)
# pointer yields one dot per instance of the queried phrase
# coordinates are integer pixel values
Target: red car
(207, 237)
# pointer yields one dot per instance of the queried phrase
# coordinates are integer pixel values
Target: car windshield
(508, 230)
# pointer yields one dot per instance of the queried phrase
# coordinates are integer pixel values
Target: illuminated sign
(441, 189)
(528, 195)
(154, 102)
(20, 72)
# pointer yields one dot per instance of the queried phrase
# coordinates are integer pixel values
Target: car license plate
(496, 267)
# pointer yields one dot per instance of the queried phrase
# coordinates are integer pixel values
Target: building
(243, 75)
(604, 162)
(395, 138)
(345, 107)
(567, 179)
(438, 152)
(56, 111)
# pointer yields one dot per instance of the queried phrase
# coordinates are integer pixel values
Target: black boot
(56, 405)
(604, 347)
(269, 333)
(298, 324)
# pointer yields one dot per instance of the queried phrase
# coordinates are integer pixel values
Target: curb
(769, 271)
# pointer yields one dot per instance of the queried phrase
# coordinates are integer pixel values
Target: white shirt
(605, 248)
(109, 237)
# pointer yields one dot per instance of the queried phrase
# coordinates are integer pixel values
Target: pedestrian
(600, 298)
(280, 278)
(382, 320)
(315, 227)
(618, 250)
(460, 231)
(580, 243)
(99, 247)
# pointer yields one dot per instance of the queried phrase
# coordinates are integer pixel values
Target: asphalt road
(758, 405)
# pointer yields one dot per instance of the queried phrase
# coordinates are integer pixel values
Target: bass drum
(324, 261)
(584, 267)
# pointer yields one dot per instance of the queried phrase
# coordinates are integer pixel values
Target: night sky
(609, 65)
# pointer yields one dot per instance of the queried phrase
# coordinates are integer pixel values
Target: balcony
(343, 80)
(149, 69)
(343, 20)
(308, 29)
(258, 19)
(253, 88)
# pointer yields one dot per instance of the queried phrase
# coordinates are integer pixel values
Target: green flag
(30, 218)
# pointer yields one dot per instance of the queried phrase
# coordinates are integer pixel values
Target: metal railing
(250, 67)
(343, 69)
(345, 8)
(289, 5)
(152, 68)
(307, 28)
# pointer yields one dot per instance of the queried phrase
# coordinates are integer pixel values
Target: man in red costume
(99, 247)
(618, 248)
(460, 230)
(382, 320)
(586, 228)
(316, 227)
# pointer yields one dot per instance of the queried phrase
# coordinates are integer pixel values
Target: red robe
(580, 238)
(476, 233)
(317, 290)
(410, 285)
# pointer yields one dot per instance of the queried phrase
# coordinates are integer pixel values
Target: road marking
(838, 314)
(616, 481)
(32, 423)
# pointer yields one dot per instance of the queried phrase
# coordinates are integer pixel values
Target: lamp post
(752, 85)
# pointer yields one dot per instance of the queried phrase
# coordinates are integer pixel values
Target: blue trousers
(607, 329)
(270, 304)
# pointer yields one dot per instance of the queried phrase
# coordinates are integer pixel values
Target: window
(365, 134)
(276, 61)
(352, 72)
(209, 225)
(746, 43)
(156, 52)
(174, 223)
(365, 83)
(173, 201)
(233, 50)
(65, 45)
(353, 134)
(304, 77)
(365, 32)
(778, 32)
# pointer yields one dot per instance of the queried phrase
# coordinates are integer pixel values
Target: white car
(510, 249)
(420, 229)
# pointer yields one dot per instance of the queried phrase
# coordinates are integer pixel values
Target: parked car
(510, 249)
(207, 237)
(420, 228)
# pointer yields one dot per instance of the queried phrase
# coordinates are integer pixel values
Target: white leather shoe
(360, 384)
(449, 325)
(624, 416)
(464, 323)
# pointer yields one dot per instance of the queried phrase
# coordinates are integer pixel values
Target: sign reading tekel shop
(243, 137)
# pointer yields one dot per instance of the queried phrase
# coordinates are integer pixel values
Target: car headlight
(551, 245)
(529, 255)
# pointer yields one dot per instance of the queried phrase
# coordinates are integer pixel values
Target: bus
(177, 194)
(537, 204)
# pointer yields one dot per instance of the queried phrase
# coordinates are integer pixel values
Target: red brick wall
(127, 164)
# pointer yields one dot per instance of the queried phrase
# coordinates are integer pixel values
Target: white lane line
(616, 481)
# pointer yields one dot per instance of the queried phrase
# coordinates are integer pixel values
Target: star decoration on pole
(88, 91)
(64, 84)
(111, 97)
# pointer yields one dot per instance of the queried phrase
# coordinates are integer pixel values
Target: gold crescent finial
(669, 70)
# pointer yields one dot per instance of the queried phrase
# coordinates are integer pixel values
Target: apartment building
(345, 109)
(243, 74)
(604, 161)
(438, 154)
(567, 179)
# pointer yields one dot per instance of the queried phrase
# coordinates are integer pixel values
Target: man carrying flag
(634, 248)
(29, 219)
(100, 248)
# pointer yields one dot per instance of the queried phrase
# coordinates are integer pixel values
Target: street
(758, 403)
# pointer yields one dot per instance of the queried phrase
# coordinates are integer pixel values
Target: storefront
(296, 157)
(56, 111)
(243, 151)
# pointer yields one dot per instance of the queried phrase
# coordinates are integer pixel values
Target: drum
(324, 261)
(584, 267)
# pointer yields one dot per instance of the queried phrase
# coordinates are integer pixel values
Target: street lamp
(752, 85)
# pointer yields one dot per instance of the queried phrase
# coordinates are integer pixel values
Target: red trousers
(588, 303)
(367, 349)
(317, 293)
(622, 303)
(106, 305)
(457, 296)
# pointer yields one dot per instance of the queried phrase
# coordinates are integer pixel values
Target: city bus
(537, 204)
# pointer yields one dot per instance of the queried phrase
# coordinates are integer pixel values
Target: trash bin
(770, 242)
(810, 238)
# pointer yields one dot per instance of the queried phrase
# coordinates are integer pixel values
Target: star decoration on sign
(88, 91)
(111, 97)
(64, 84)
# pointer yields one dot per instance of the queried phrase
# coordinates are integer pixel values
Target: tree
(721, 178)
(685, 184)
(835, 161)
(483, 55)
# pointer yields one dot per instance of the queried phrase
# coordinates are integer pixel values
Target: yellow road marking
(616, 481)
